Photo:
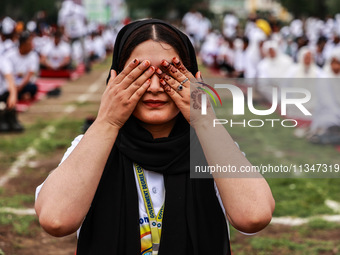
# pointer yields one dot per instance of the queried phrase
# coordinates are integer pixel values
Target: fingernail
(148, 81)
(175, 60)
(159, 71)
(135, 61)
(151, 69)
(200, 74)
(146, 63)
(162, 82)
(165, 63)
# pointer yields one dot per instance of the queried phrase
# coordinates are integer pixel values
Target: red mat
(44, 85)
(68, 74)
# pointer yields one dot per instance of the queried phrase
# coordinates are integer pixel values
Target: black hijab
(193, 222)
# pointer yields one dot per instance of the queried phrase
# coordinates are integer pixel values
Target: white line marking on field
(17, 211)
(70, 109)
(292, 221)
(334, 205)
(25, 156)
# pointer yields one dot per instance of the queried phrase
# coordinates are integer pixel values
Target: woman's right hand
(123, 92)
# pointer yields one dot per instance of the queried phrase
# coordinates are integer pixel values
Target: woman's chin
(155, 119)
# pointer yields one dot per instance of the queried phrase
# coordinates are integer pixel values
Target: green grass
(17, 201)
(65, 130)
(320, 224)
(21, 225)
(299, 241)
(287, 246)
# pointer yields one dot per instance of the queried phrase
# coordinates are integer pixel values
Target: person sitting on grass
(8, 99)
(325, 127)
(56, 55)
(25, 66)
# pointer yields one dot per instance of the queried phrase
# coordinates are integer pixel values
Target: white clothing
(109, 38)
(273, 67)
(73, 17)
(6, 46)
(239, 56)
(225, 54)
(39, 42)
(252, 53)
(204, 27)
(334, 54)
(327, 109)
(7, 25)
(5, 69)
(55, 54)
(191, 21)
(308, 82)
(96, 46)
(230, 23)
(22, 64)
(209, 49)
(299, 70)
(296, 28)
(77, 52)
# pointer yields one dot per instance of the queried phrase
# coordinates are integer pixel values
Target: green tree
(334, 6)
(318, 8)
(26, 9)
(163, 9)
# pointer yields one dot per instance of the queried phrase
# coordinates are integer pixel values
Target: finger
(137, 95)
(140, 80)
(174, 84)
(198, 76)
(176, 74)
(179, 65)
(135, 73)
(113, 73)
(132, 65)
(171, 92)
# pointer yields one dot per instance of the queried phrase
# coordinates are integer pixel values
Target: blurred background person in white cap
(7, 34)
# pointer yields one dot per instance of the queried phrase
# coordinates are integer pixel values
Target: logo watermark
(279, 100)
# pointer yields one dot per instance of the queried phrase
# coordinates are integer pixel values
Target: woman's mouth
(154, 103)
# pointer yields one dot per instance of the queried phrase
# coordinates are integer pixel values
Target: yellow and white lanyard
(155, 221)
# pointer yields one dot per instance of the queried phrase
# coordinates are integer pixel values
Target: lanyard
(155, 221)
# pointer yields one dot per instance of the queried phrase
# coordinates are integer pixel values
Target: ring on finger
(184, 81)
(180, 87)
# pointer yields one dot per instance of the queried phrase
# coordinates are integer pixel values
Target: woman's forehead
(153, 51)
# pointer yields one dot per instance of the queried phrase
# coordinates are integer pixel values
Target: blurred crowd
(27, 49)
(269, 55)
(254, 48)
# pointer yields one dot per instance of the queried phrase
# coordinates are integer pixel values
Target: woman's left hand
(176, 81)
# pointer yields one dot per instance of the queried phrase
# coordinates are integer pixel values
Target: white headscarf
(273, 67)
(300, 70)
(335, 54)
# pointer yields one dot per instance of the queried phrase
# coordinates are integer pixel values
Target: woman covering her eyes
(126, 182)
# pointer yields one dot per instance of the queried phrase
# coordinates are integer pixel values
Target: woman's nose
(155, 85)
